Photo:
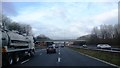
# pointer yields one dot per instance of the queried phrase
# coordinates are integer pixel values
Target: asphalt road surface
(63, 57)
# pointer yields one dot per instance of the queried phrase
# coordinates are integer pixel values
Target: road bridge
(68, 40)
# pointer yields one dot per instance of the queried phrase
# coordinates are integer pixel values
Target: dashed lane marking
(25, 61)
(59, 59)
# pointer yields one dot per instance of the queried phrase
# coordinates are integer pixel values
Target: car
(56, 46)
(85, 46)
(62, 45)
(51, 49)
(103, 46)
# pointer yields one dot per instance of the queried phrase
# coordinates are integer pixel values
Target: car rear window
(50, 47)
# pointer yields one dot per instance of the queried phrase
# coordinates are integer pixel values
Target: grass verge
(110, 57)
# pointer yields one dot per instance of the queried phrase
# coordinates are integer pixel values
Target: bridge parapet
(60, 40)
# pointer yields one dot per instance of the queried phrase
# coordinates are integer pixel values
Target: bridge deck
(60, 40)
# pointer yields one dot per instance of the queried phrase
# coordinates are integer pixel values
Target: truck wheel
(32, 53)
(16, 58)
(10, 60)
(29, 55)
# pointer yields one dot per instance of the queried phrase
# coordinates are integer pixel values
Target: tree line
(108, 34)
(10, 25)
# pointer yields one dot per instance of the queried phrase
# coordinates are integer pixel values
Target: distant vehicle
(56, 46)
(104, 46)
(85, 46)
(49, 43)
(53, 45)
(51, 49)
(62, 45)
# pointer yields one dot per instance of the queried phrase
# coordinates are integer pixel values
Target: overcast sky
(62, 20)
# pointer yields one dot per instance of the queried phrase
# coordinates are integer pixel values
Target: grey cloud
(46, 25)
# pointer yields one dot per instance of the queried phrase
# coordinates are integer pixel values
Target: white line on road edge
(59, 59)
(25, 61)
(98, 59)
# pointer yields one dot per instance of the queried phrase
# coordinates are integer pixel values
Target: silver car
(104, 46)
(85, 46)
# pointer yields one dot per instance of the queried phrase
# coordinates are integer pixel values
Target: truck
(15, 46)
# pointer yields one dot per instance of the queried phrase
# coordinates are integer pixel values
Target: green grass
(113, 58)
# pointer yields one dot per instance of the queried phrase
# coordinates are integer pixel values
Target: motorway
(63, 57)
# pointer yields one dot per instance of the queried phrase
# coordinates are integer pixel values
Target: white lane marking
(96, 59)
(25, 61)
(59, 59)
(100, 60)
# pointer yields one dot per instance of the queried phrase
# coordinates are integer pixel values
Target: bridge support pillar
(64, 43)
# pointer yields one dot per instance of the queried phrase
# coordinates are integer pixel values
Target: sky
(62, 20)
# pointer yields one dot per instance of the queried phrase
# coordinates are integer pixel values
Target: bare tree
(95, 31)
(106, 34)
(21, 28)
(14, 26)
(6, 22)
(26, 29)
(117, 30)
(104, 31)
(110, 31)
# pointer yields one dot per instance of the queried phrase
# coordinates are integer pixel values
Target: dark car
(56, 46)
(51, 49)
(62, 45)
